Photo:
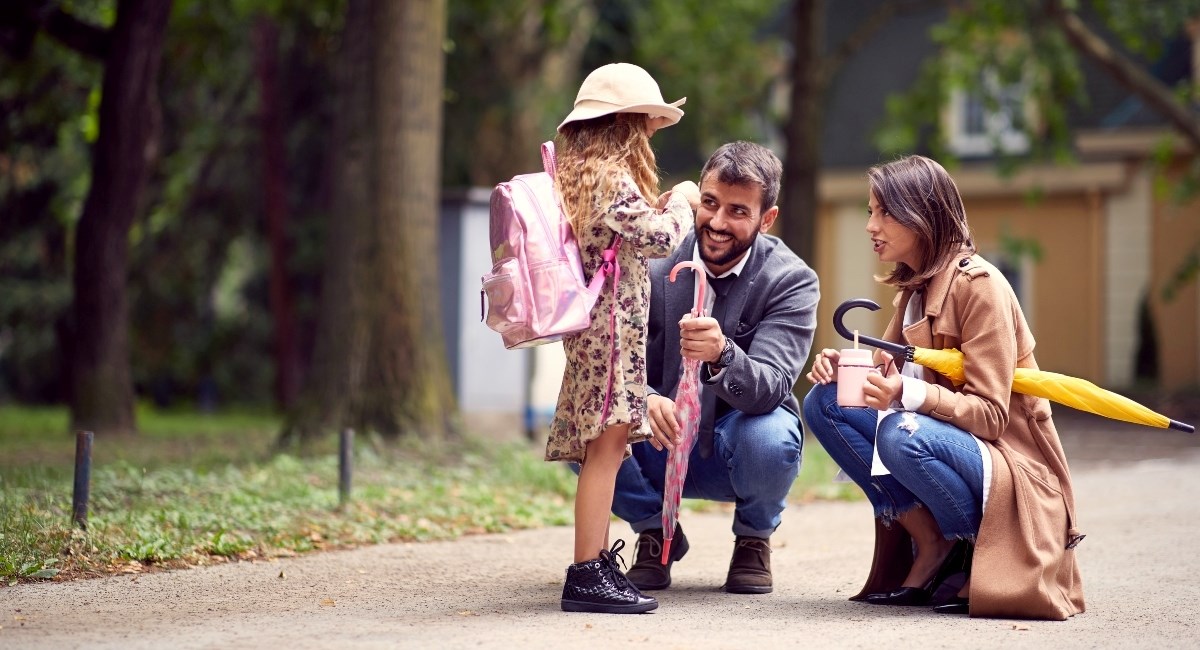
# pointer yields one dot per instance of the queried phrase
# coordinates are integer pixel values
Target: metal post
(83, 477)
(345, 446)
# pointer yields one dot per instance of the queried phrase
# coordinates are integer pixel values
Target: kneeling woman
(978, 480)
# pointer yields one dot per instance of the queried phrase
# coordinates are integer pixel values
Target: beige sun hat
(622, 88)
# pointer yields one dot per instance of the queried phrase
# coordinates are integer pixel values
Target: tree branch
(1126, 72)
(83, 37)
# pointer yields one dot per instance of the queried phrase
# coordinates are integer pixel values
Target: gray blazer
(771, 320)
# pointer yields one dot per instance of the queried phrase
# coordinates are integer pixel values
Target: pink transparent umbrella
(687, 411)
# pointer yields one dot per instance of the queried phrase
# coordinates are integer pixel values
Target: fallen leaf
(587, 626)
(18, 617)
(1021, 628)
(281, 576)
(327, 602)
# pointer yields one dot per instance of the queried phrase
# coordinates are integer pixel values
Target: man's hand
(701, 339)
(663, 422)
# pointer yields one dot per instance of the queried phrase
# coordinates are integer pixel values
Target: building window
(988, 120)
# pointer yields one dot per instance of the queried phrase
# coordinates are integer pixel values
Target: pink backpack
(536, 291)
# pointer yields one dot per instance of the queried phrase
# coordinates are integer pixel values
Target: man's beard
(736, 249)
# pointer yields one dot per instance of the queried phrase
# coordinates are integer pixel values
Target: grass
(196, 489)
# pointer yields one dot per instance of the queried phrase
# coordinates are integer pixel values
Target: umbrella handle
(897, 349)
(701, 282)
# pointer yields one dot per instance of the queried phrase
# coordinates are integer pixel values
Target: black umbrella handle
(897, 349)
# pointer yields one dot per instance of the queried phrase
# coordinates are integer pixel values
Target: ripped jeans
(931, 462)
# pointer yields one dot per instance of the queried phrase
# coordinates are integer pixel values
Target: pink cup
(853, 368)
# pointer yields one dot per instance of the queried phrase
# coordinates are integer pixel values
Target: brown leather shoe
(750, 566)
(648, 572)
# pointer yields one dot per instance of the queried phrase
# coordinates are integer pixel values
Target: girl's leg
(594, 496)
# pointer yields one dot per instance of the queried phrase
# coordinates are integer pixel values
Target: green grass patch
(196, 489)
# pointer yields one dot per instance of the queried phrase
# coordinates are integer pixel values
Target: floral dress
(646, 233)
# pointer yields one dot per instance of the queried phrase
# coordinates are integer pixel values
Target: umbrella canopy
(687, 412)
(1072, 391)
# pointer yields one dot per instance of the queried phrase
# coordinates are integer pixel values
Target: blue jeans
(755, 459)
(932, 463)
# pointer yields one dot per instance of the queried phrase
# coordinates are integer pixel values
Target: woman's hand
(663, 423)
(883, 388)
(824, 368)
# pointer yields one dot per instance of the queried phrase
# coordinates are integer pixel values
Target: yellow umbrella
(1072, 391)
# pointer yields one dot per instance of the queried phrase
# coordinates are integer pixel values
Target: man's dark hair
(746, 163)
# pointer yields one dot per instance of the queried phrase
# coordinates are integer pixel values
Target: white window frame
(998, 134)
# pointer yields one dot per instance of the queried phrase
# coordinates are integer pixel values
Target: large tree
(101, 385)
(380, 362)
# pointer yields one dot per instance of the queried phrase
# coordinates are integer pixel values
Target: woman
(608, 181)
(978, 480)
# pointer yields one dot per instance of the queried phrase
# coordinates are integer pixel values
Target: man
(752, 348)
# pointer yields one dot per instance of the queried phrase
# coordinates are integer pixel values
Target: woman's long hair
(920, 194)
(592, 153)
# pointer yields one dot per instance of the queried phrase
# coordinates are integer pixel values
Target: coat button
(964, 262)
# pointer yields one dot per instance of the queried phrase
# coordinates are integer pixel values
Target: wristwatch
(726, 357)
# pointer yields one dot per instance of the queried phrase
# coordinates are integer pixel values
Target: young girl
(978, 479)
(608, 181)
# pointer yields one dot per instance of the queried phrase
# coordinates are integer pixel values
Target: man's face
(727, 222)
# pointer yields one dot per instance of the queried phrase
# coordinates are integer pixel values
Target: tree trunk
(341, 342)
(380, 363)
(799, 200)
(408, 382)
(102, 395)
(275, 209)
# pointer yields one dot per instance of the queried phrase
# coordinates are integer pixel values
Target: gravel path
(1137, 490)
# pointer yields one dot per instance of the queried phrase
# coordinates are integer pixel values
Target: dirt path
(1139, 566)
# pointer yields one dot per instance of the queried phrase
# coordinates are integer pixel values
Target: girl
(978, 479)
(608, 181)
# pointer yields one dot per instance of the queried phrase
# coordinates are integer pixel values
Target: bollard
(345, 446)
(83, 477)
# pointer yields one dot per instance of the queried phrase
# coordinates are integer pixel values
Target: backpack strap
(609, 265)
(548, 159)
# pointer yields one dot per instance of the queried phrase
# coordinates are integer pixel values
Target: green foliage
(723, 56)
(45, 109)
(987, 48)
(156, 501)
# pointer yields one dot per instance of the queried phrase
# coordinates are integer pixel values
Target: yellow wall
(1063, 303)
(1065, 285)
(1177, 322)
(1066, 294)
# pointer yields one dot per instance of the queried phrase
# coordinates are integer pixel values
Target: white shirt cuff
(913, 395)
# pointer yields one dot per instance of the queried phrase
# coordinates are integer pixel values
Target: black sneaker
(598, 586)
(648, 571)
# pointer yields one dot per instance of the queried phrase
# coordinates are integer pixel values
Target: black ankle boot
(648, 570)
(598, 586)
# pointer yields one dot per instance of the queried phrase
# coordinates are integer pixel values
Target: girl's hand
(824, 368)
(691, 192)
(663, 423)
(661, 204)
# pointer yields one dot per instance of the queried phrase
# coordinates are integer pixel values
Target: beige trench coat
(1024, 563)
